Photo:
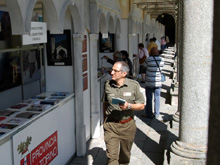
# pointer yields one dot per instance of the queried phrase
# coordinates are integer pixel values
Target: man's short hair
(125, 53)
(141, 45)
(124, 66)
(118, 55)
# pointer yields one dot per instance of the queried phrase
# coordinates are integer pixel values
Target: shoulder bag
(163, 78)
(142, 60)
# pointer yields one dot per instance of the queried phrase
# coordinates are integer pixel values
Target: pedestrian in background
(153, 84)
(142, 55)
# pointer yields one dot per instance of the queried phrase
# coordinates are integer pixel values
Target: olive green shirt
(130, 92)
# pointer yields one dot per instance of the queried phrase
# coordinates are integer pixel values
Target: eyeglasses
(116, 71)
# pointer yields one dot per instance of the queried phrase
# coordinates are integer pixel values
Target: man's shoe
(160, 118)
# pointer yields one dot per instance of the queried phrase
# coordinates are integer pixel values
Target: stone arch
(117, 25)
(20, 15)
(55, 11)
(102, 23)
(77, 22)
(94, 17)
(62, 14)
(110, 24)
(169, 24)
(52, 16)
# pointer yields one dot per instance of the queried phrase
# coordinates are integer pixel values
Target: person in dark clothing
(117, 56)
(126, 59)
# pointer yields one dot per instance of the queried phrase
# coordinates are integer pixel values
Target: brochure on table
(17, 115)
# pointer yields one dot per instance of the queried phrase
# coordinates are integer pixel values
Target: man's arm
(135, 107)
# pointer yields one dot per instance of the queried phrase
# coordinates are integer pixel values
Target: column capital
(78, 37)
(131, 35)
(94, 36)
(118, 36)
(176, 116)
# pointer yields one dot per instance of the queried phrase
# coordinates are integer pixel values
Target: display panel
(106, 42)
(10, 70)
(59, 49)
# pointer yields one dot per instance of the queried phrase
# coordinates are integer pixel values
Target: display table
(39, 130)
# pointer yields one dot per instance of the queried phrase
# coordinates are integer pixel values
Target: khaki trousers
(119, 139)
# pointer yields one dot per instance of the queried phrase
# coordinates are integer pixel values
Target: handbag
(163, 77)
(142, 60)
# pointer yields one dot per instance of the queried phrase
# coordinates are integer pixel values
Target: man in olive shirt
(119, 126)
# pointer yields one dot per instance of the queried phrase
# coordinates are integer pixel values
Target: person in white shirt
(158, 43)
(142, 52)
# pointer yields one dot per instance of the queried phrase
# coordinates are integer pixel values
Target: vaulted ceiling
(157, 7)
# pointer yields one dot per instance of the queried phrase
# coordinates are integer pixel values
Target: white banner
(38, 34)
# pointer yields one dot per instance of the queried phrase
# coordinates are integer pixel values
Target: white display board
(38, 34)
(48, 140)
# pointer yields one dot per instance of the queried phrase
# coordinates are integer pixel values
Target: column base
(95, 125)
(182, 154)
(176, 117)
(178, 160)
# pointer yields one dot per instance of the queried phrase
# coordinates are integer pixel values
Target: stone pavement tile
(101, 158)
(152, 158)
(94, 143)
(158, 125)
(140, 136)
(157, 136)
(136, 150)
(135, 161)
(82, 160)
(152, 145)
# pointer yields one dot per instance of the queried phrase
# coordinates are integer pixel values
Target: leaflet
(118, 100)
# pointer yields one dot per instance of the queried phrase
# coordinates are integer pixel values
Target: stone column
(194, 83)
(95, 95)
(130, 51)
(80, 127)
(213, 157)
(117, 42)
(179, 44)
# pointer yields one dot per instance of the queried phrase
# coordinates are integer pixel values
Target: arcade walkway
(151, 137)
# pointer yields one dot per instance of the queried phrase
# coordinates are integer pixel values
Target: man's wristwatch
(129, 106)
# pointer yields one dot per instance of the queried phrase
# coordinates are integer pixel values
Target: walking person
(142, 55)
(163, 43)
(153, 84)
(119, 125)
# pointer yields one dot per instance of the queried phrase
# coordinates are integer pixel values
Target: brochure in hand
(117, 100)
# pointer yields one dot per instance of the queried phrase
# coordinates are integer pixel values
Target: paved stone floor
(150, 142)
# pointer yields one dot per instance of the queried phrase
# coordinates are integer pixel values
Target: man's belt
(111, 119)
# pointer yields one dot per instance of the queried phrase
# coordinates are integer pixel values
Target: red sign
(44, 153)
(26, 160)
(84, 62)
(84, 44)
(85, 81)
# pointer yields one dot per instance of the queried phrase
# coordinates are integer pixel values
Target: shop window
(10, 70)
(7, 40)
(37, 15)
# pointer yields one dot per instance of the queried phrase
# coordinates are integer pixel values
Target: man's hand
(106, 57)
(124, 106)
